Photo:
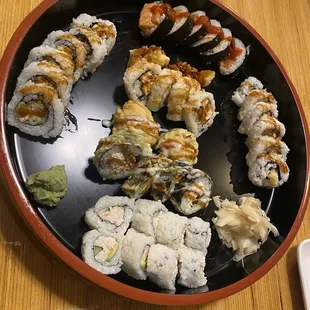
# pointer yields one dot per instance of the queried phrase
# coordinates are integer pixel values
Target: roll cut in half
(35, 109)
(135, 250)
(118, 155)
(110, 214)
(102, 251)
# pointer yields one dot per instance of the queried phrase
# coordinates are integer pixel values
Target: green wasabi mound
(48, 186)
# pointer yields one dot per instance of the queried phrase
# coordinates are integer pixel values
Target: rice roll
(48, 73)
(192, 193)
(36, 109)
(199, 112)
(156, 20)
(135, 117)
(110, 214)
(68, 43)
(144, 213)
(191, 268)
(162, 266)
(249, 84)
(198, 234)
(102, 251)
(170, 229)
(179, 144)
(161, 88)
(235, 59)
(104, 28)
(135, 249)
(95, 47)
(153, 54)
(118, 155)
(55, 57)
(139, 79)
(180, 92)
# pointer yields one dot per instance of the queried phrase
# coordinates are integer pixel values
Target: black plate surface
(222, 150)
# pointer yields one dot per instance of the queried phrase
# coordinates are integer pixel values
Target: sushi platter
(157, 148)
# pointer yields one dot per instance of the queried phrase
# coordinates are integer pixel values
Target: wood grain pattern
(31, 279)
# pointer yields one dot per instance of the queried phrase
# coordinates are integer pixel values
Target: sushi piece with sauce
(36, 109)
(110, 214)
(135, 250)
(136, 118)
(102, 251)
(117, 156)
(179, 144)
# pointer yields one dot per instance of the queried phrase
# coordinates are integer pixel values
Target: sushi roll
(221, 50)
(191, 268)
(153, 54)
(118, 155)
(156, 20)
(61, 59)
(135, 117)
(145, 212)
(198, 234)
(170, 229)
(110, 214)
(36, 109)
(235, 59)
(162, 266)
(182, 27)
(69, 44)
(95, 47)
(192, 193)
(104, 28)
(208, 41)
(135, 249)
(180, 92)
(199, 112)
(161, 89)
(249, 84)
(47, 73)
(139, 79)
(179, 144)
(102, 251)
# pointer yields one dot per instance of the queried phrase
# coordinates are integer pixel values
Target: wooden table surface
(31, 279)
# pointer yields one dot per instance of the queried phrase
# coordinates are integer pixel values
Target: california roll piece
(199, 112)
(139, 79)
(161, 88)
(68, 43)
(191, 268)
(145, 211)
(156, 20)
(249, 84)
(198, 234)
(54, 56)
(179, 144)
(110, 214)
(95, 46)
(178, 96)
(170, 229)
(48, 73)
(135, 251)
(104, 28)
(235, 59)
(35, 109)
(102, 251)
(162, 266)
(118, 155)
(192, 193)
(153, 54)
(182, 27)
(135, 117)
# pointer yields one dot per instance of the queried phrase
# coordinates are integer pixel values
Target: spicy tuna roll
(102, 251)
